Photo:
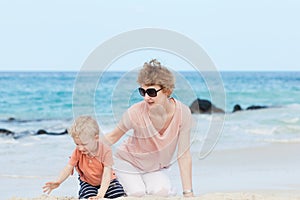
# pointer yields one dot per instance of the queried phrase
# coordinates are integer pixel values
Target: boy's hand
(48, 187)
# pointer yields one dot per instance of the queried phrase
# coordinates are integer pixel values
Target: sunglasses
(152, 92)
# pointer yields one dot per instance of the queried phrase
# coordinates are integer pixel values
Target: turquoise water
(48, 95)
(44, 100)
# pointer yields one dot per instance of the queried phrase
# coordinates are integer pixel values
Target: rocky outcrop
(237, 107)
(203, 106)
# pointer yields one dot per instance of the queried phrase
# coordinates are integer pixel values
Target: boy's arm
(106, 178)
(64, 174)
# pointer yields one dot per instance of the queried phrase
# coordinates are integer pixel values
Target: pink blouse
(147, 149)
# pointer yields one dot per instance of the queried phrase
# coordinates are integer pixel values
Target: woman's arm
(185, 167)
(114, 136)
(184, 154)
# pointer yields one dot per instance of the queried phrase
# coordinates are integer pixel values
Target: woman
(160, 124)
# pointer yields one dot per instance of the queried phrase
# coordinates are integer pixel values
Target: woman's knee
(135, 190)
(131, 179)
(132, 184)
(136, 193)
(162, 191)
(158, 183)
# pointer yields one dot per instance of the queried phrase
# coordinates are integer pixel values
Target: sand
(269, 172)
(213, 196)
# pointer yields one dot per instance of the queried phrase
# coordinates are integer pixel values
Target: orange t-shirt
(90, 169)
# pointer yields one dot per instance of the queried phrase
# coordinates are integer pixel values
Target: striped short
(114, 190)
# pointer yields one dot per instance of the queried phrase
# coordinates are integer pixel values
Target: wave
(286, 141)
(19, 121)
(17, 128)
(15, 176)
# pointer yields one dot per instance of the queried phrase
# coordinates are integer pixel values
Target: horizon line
(76, 71)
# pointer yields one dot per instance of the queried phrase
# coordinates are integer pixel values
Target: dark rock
(43, 132)
(256, 107)
(203, 106)
(237, 107)
(10, 119)
(6, 131)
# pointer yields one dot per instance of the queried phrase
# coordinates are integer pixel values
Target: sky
(238, 35)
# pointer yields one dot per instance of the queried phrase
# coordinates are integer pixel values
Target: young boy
(93, 162)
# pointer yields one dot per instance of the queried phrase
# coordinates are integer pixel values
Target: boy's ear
(97, 137)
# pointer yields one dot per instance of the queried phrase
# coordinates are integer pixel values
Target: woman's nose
(147, 96)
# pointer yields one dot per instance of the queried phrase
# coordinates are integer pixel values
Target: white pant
(137, 183)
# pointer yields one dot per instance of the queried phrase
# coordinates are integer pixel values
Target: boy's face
(86, 144)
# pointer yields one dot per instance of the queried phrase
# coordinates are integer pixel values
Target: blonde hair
(153, 73)
(84, 125)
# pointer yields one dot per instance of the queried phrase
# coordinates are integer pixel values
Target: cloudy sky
(236, 34)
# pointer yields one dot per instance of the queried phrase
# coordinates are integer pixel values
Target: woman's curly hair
(153, 73)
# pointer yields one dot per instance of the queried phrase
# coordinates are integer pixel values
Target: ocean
(33, 101)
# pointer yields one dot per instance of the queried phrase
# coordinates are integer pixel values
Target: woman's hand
(48, 187)
(191, 194)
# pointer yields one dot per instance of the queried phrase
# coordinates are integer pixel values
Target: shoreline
(268, 167)
(253, 195)
(264, 172)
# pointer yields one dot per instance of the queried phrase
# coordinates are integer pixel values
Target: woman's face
(154, 95)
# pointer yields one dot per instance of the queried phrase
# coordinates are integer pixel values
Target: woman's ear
(167, 91)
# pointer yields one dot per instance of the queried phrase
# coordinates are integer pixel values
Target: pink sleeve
(187, 119)
(125, 123)
(185, 130)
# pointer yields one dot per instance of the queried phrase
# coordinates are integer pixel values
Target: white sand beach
(268, 172)
(213, 196)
